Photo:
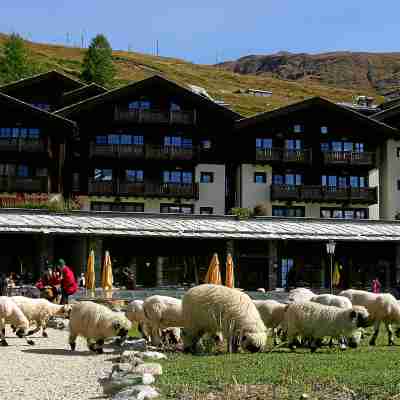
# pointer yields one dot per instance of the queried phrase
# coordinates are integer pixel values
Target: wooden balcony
(144, 189)
(22, 145)
(135, 151)
(285, 155)
(10, 184)
(314, 193)
(349, 158)
(155, 116)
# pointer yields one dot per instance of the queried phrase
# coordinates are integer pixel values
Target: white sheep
(135, 313)
(10, 313)
(213, 309)
(382, 308)
(96, 322)
(300, 295)
(162, 312)
(40, 311)
(316, 321)
(272, 313)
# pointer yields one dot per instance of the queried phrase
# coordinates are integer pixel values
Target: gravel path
(50, 371)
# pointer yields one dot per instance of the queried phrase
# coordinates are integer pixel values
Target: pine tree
(97, 64)
(15, 62)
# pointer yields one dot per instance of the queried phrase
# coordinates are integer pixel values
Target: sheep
(382, 308)
(299, 295)
(10, 313)
(316, 321)
(214, 308)
(272, 313)
(162, 312)
(40, 311)
(96, 322)
(135, 313)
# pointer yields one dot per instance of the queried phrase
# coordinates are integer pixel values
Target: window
(139, 105)
(173, 141)
(32, 133)
(113, 139)
(349, 213)
(177, 177)
(277, 179)
(42, 106)
(206, 210)
(176, 208)
(134, 175)
(174, 107)
(119, 139)
(263, 143)
(122, 207)
(22, 171)
(288, 211)
(260, 177)
(337, 146)
(324, 147)
(207, 177)
(359, 147)
(206, 144)
(288, 179)
(293, 144)
(297, 128)
(347, 146)
(101, 139)
(41, 172)
(7, 170)
(324, 130)
(102, 174)
(286, 266)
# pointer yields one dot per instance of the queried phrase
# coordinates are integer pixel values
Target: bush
(241, 213)
(260, 210)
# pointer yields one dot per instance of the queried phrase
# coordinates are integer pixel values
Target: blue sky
(204, 31)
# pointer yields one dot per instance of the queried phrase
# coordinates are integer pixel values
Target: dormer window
(324, 130)
(139, 105)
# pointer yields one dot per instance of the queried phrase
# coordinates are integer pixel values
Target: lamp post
(330, 249)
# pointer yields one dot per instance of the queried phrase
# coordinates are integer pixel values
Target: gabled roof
(82, 93)
(69, 82)
(320, 102)
(8, 100)
(138, 87)
(388, 113)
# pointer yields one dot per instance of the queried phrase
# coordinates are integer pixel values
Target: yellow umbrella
(106, 274)
(213, 274)
(90, 278)
(336, 274)
(230, 277)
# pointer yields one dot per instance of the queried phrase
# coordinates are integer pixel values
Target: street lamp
(330, 249)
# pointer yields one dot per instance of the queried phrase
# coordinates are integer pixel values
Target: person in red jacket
(68, 282)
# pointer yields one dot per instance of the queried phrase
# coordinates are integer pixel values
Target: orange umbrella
(213, 274)
(90, 278)
(106, 273)
(230, 277)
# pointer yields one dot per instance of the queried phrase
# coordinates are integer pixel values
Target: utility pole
(68, 38)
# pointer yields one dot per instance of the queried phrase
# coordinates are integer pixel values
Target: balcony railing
(277, 154)
(150, 189)
(136, 151)
(11, 184)
(323, 194)
(155, 116)
(22, 145)
(349, 158)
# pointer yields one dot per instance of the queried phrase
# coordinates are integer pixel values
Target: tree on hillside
(16, 63)
(97, 63)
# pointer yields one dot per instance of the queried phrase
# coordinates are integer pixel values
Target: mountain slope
(220, 83)
(365, 71)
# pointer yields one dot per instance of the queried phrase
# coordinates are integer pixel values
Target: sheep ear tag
(116, 325)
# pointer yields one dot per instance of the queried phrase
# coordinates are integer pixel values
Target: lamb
(135, 313)
(96, 322)
(272, 313)
(316, 321)
(213, 309)
(162, 312)
(40, 311)
(382, 308)
(10, 313)
(299, 295)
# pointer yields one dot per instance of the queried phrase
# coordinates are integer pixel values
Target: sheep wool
(300, 295)
(213, 309)
(96, 322)
(332, 300)
(135, 313)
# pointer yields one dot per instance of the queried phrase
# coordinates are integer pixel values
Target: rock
(154, 369)
(136, 344)
(304, 396)
(138, 392)
(152, 355)
(57, 323)
(120, 380)
(131, 356)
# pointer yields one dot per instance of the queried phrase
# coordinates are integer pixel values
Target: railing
(22, 144)
(287, 155)
(349, 157)
(21, 184)
(136, 151)
(155, 189)
(155, 116)
(323, 194)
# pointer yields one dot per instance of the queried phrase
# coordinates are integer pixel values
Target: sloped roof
(318, 101)
(195, 226)
(387, 113)
(82, 93)
(136, 87)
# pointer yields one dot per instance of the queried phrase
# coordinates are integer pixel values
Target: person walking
(376, 285)
(68, 282)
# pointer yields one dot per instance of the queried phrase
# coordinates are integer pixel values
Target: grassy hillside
(221, 84)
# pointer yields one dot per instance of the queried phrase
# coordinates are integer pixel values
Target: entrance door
(253, 272)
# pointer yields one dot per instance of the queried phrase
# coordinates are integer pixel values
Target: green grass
(372, 371)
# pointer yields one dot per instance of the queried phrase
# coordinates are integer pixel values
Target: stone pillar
(159, 271)
(273, 269)
(45, 246)
(96, 244)
(397, 262)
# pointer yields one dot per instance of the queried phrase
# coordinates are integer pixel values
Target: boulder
(138, 392)
(121, 380)
(152, 355)
(154, 369)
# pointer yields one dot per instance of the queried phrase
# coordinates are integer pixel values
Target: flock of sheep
(216, 311)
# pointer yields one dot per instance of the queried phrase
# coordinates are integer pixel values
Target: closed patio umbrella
(213, 274)
(90, 278)
(106, 275)
(230, 277)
